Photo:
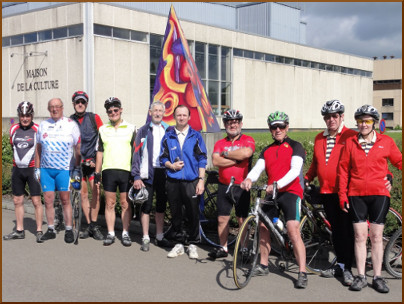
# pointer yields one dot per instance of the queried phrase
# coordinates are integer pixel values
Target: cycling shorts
(22, 176)
(373, 206)
(115, 178)
(288, 202)
(159, 181)
(88, 172)
(55, 179)
(225, 204)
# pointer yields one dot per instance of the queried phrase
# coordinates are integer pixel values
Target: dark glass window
(259, 56)
(213, 94)
(298, 62)
(213, 61)
(18, 39)
(120, 33)
(138, 36)
(60, 32)
(388, 116)
(306, 63)
(269, 57)
(200, 59)
(279, 59)
(5, 41)
(288, 60)
(387, 102)
(76, 30)
(45, 35)
(248, 54)
(238, 52)
(102, 30)
(30, 38)
(226, 64)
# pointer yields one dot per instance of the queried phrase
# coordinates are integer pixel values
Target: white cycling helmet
(332, 106)
(367, 110)
(138, 196)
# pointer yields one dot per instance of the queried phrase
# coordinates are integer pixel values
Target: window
(5, 41)
(76, 30)
(279, 59)
(328, 67)
(388, 116)
(225, 64)
(213, 61)
(120, 33)
(269, 57)
(248, 54)
(45, 35)
(238, 52)
(289, 60)
(306, 63)
(138, 36)
(298, 62)
(18, 39)
(60, 32)
(30, 38)
(213, 95)
(102, 30)
(387, 102)
(200, 59)
(259, 56)
(156, 42)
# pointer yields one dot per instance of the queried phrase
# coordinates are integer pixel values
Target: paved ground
(55, 271)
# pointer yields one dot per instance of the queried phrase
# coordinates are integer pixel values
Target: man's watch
(225, 154)
(201, 178)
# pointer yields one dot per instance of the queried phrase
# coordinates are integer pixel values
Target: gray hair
(157, 103)
(55, 99)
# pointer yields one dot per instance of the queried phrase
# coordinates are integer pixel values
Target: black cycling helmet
(25, 108)
(80, 95)
(112, 102)
(138, 196)
(332, 106)
(232, 114)
(367, 110)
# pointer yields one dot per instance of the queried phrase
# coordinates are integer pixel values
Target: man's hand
(389, 182)
(246, 184)
(97, 179)
(138, 184)
(344, 206)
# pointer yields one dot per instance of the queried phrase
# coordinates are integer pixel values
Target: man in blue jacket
(148, 172)
(183, 153)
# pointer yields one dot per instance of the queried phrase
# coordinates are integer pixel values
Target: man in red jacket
(327, 151)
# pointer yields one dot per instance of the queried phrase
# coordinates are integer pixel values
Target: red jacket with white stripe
(362, 175)
(327, 172)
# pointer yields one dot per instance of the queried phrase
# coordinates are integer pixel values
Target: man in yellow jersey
(114, 156)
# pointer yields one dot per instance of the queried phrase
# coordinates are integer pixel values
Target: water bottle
(278, 224)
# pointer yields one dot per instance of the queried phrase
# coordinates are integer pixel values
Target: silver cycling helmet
(232, 114)
(367, 110)
(138, 196)
(332, 106)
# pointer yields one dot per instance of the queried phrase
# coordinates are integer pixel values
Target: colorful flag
(178, 81)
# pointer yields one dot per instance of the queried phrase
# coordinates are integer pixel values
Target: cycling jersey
(23, 141)
(240, 170)
(57, 139)
(117, 145)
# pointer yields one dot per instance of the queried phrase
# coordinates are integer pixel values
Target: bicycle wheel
(319, 250)
(392, 257)
(246, 252)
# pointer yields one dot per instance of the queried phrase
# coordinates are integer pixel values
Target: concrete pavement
(55, 271)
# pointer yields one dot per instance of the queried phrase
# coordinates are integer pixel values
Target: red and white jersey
(58, 139)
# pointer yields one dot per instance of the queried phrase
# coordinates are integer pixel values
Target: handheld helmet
(232, 114)
(80, 95)
(367, 110)
(278, 117)
(332, 106)
(138, 196)
(112, 102)
(25, 108)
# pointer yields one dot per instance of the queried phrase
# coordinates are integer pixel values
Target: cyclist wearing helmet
(233, 156)
(282, 161)
(57, 141)
(328, 146)
(149, 174)
(114, 157)
(362, 191)
(23, 141)
(89, 123)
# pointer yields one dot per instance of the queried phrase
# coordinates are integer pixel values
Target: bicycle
(247, 251)
(208, 213)
(392, 257)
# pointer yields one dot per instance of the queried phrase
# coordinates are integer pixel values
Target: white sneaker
(193, 254)
(176, 251)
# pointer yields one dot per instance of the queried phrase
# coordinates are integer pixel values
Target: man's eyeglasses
(274, 127)
(82, 101)
(369, 122)
(55, 107)
(112, 111)
(329, 116)
(231, 122)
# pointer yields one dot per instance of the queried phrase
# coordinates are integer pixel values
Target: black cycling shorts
(88, 172)
(373, 206)
(158, 186)
(115, 178)
(22, 176)
(289, 203)
(225, 204)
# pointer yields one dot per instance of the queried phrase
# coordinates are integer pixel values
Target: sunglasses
(82, 101)
(366, 121)
(274, 127)
(112, 111)
(328, 117)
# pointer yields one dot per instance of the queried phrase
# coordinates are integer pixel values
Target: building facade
(108, 50)
(387, 91)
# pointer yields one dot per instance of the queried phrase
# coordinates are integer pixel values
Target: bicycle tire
(77, 213)
(392, 257)
(320, 253)
(245, 261)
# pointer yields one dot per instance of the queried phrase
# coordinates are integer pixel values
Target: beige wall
(389, 69)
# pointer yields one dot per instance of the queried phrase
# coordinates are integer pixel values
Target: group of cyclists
(351, 168)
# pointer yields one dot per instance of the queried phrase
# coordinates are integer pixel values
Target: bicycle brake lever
(275, 190)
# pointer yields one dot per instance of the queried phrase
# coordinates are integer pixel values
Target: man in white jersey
(57, 140)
